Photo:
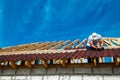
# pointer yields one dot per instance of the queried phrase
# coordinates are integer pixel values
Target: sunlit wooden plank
(12, 64)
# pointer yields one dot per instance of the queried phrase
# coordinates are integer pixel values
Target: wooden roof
(62, 52)
(108, 43)
(74, 54)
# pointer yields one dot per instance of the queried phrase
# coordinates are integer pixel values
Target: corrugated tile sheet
(64, 55)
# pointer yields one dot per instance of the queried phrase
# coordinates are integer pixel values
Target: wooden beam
(101, 59)
(95, 62)
(73, 65)
(117, 42)
(62, 62)
(56, 46)
(81, 44)
(106, 42)
(45, 63)
(78, 65)
(116, 61)
(12, 64)
(28, 64)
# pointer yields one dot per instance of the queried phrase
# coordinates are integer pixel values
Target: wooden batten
(57, 47)
(28, 64)
(106, 42)
(62, 62)
(12, 64)
(110, 43)
(95, 62)
(101, 59)
(81, 44)
(66, 43)
(45, 63)
(116, 61)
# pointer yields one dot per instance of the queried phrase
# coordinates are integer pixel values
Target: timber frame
(57, 47)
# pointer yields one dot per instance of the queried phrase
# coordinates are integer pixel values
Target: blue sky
(27, 21)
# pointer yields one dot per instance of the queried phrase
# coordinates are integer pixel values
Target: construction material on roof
(62, 53)
(108, 43)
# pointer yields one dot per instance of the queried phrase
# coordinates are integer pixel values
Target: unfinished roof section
(56, 54)
(108, 43)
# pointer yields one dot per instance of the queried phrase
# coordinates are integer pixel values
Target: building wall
(106, 73)
(62, 77)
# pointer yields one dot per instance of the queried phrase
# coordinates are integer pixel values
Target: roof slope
(62, 52)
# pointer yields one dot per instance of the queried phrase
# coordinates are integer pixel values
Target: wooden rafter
(72, 44)
(28, 64)
(12, 64)
(53, 47)
(44, 62)
(62, 62)
(81, 44)
(109, 42)
(95, 61)
(116, 61)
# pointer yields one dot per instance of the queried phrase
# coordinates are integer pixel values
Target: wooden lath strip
(77, 41)
(36, 46)
(44, 62)
(56, 46)
(16, 48)
(19, 48)
(8, 49)
(46, 47)
(82, 43)
(107, 38)
(116, 42)
(112, 45)
(71, 44)
(106, 42)
(109, 42)
(32, 47)
(66, 43)
(62, 62)
(12, 64)
(28, 64)
(95, 61)
(116, 61)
